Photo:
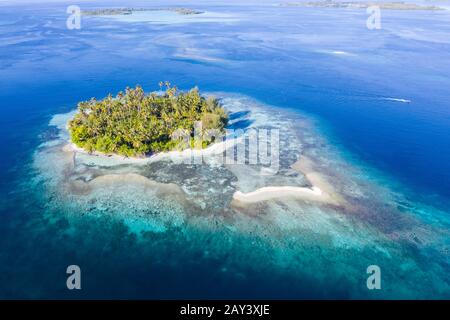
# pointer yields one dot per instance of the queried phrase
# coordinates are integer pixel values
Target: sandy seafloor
(368, 110)
(183, 216)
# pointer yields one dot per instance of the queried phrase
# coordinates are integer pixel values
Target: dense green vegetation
(135, 124)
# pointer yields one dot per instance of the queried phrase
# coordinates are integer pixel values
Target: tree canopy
(136, 124)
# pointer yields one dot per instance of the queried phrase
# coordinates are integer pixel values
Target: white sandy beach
(184, 156)
(321, 190)
(269, 193)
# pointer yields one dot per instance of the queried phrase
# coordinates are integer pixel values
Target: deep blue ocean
(382, 97)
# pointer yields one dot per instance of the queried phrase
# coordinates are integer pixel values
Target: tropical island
(136, 124)
(128, 11)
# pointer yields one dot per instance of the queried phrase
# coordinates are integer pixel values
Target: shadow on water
(236, 115)
(241, 124)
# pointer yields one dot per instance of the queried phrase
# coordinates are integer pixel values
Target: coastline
(174, 155)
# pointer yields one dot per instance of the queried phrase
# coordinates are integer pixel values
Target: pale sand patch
(119, 180)
(321, 190)
(111, 181)
(305, 166)
(269, 193)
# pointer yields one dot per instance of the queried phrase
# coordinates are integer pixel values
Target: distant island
(360, 5)
(135, 124)
(128, 11)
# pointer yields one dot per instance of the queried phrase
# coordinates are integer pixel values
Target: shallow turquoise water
(391, 158)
